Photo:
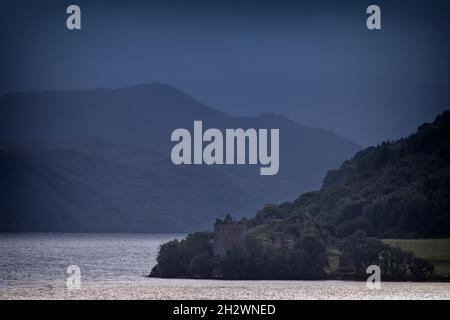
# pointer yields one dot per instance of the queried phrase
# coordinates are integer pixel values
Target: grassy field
(436, 251)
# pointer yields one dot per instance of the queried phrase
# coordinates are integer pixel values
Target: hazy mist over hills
(314, 62)
(99, 160)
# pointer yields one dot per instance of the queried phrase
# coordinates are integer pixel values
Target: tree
(309, 258)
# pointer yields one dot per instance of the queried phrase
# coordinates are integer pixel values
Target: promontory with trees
(396, 190)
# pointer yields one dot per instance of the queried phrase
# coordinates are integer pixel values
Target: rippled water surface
(115, 266)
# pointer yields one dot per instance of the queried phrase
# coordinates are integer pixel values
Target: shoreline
(434, 279)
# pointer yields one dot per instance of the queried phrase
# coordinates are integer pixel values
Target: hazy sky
(313, 61)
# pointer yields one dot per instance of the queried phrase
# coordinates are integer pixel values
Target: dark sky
(313, 61)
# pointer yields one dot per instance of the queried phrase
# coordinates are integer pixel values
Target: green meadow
(436, 251)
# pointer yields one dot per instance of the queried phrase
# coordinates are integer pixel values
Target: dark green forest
(398, 189)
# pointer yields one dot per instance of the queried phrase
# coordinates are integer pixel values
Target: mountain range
(99, 161)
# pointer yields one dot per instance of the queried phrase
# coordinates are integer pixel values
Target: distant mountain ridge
(116, 143)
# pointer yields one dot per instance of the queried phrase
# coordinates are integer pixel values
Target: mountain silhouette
(99, 160)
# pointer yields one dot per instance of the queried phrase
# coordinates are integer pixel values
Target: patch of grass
(437, 251)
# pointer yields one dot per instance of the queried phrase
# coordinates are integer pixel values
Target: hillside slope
(399, 189)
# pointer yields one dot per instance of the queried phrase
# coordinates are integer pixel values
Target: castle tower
(227, 234)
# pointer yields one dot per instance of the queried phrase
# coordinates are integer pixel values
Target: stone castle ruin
(227, 234)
